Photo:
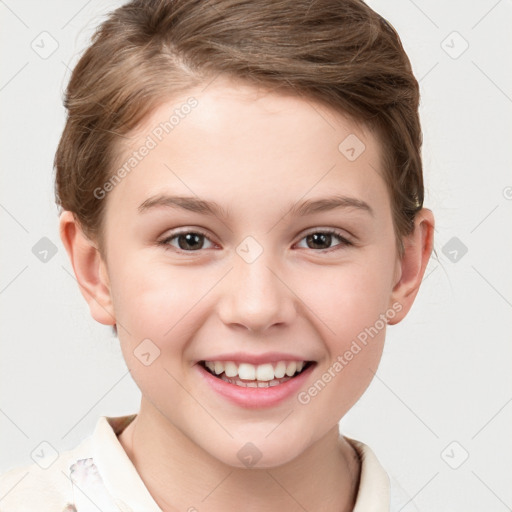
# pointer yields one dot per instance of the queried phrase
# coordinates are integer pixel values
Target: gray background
(443, 390)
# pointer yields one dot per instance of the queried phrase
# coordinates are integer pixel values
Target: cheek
(151, 298)
(154, 304)
(165, 305)
(355, 310)
(349, 305)
(346, 299)
(341, 382)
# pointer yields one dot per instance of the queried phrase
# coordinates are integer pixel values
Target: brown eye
(322, 240)
(194, 241)
(187, 241)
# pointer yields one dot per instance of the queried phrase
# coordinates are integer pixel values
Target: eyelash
(327, 231)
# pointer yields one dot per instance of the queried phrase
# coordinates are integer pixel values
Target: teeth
(265, 372)
(253, 384)
(290, 369)
(263, 375)
(230, 369)
(280, 370)
(219, 367)
(247, 371)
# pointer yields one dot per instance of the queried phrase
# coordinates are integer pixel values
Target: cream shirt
(98, 475)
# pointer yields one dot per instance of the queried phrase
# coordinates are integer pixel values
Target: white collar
(116, 469)
(126, 486)
(373, 494)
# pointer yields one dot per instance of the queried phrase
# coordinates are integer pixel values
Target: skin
(255, 153)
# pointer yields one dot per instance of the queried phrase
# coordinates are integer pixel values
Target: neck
(181, 476)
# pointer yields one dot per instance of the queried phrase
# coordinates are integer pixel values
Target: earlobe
(418, 248)
(89, 268)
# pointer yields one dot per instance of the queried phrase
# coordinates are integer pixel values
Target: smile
(256, 376)
(255, 385)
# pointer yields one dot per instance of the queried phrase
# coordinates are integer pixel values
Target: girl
(241, 199)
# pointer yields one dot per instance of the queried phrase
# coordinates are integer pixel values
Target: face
(267, 279)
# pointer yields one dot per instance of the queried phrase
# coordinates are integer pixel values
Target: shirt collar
(373, 494)
(119, 474)
(126, 486)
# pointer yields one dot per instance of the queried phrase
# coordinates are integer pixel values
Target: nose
(255, 296)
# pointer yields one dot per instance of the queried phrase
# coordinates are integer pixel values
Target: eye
(188, 241)
(193, 241)
(324, 238)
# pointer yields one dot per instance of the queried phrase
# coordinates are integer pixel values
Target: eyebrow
(212, 208)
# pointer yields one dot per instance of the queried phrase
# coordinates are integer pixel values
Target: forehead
(248, 147)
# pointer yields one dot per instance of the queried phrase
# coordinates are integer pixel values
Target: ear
(89, 268)
(411, 267)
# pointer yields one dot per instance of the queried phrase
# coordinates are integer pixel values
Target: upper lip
(255, 359)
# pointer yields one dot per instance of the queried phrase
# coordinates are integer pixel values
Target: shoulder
(74, 479)
(378, 490)
(45, 485)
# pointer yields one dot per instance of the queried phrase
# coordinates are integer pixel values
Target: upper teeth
(265, 372)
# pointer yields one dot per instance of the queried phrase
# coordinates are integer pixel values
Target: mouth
(248, 375)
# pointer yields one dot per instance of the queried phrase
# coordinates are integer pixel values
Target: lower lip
(255, 398)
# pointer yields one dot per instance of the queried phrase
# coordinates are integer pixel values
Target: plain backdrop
(439, 412)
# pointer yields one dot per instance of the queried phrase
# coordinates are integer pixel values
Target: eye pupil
(322, 238)
(191, 239)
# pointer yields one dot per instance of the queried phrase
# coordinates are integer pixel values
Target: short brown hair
(338, 52)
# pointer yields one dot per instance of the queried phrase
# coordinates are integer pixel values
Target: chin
(260, 453)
